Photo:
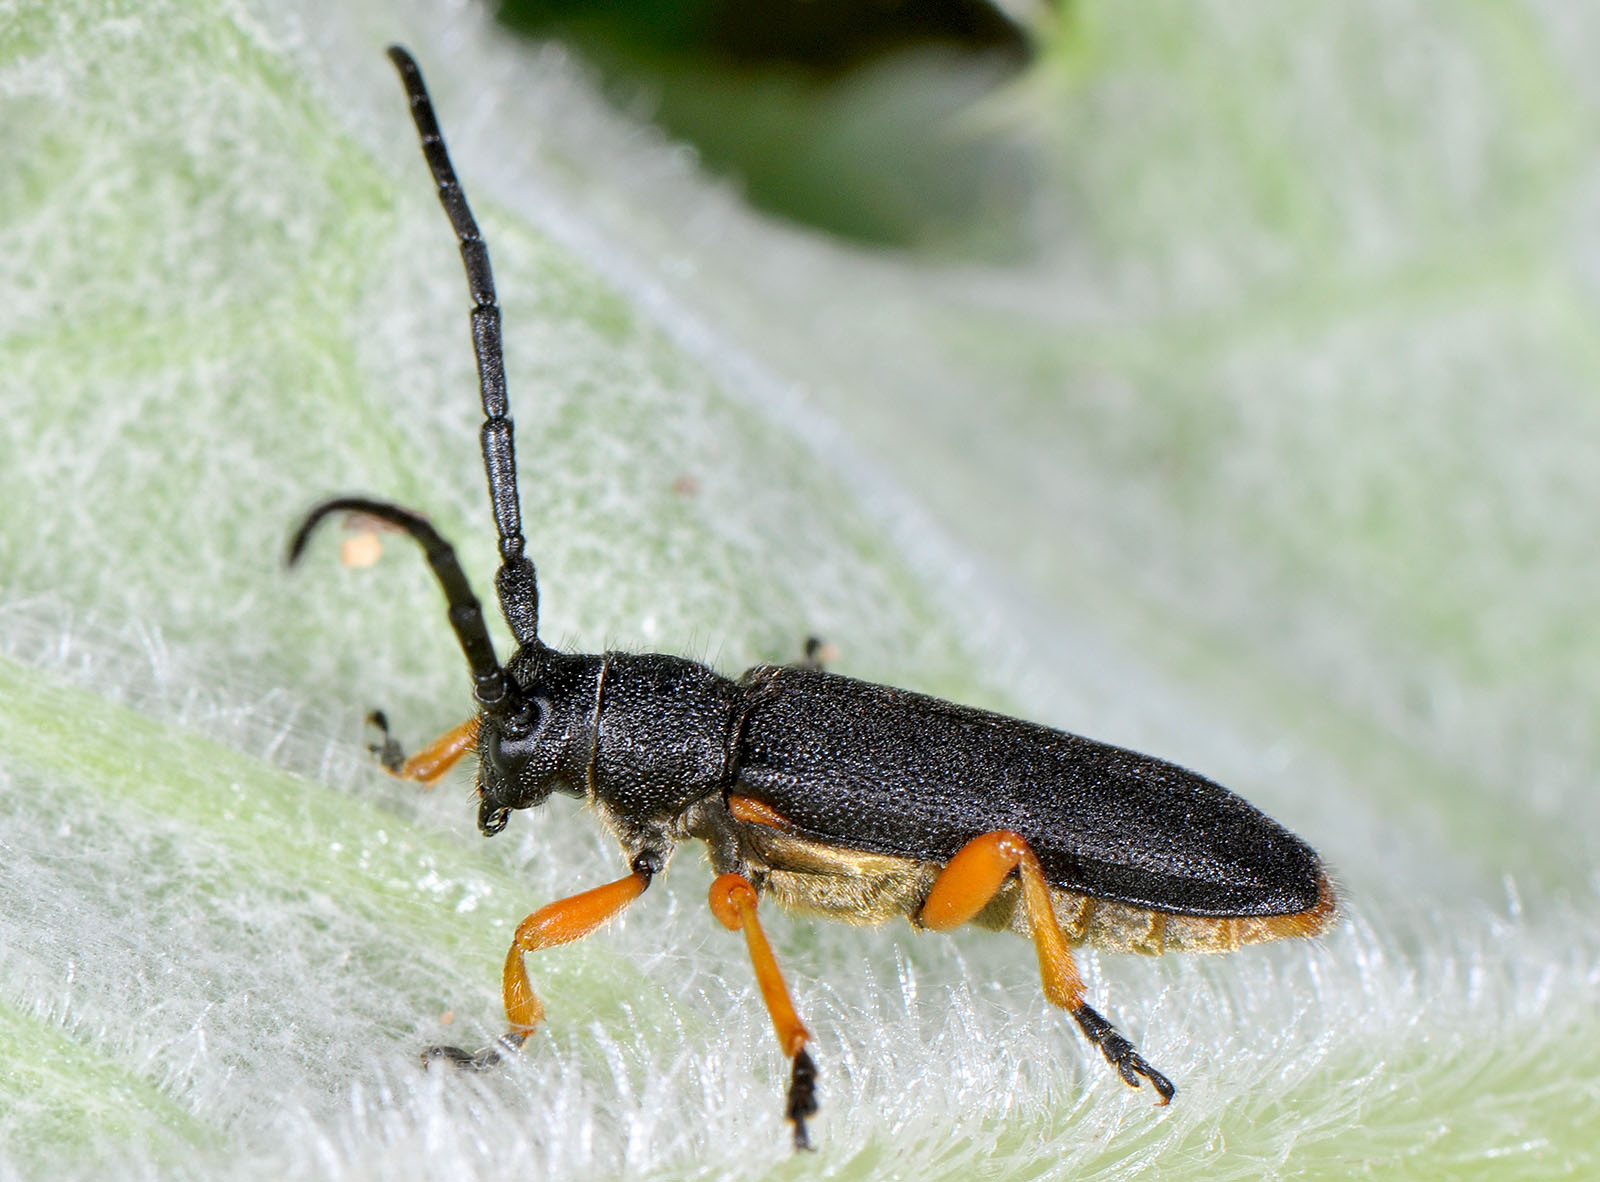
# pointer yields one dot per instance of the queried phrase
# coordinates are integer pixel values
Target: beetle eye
(526, 720)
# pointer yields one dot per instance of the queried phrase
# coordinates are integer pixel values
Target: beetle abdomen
(885, 770)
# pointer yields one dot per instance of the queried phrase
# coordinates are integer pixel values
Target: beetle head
(544, 745)
(535, 721)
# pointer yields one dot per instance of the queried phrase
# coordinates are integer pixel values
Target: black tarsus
(516, 583)
(1119, 1052)
(802, 1100)
(493, 689)
(815, 655)
(482, 1060)
(390, 754)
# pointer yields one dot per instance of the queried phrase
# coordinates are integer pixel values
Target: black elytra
(828, 793)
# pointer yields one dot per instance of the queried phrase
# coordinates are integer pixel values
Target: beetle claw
(1130, 1064)
(462, 1060)
(1135, 1066)
(1120, 1053)
(468, 1061)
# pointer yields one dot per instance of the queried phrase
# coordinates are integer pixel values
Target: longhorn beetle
(824, 793)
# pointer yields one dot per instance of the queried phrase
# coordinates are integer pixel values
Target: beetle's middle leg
(966, 885)
(816, 655)
(429, 765)
(733, 902)
(554, 924)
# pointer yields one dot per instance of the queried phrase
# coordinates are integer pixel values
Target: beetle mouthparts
(492, 819)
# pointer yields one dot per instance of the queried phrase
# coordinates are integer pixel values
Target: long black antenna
(495, 691)
(516, 582)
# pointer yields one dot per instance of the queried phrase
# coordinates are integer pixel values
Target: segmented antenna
(516, 582)
(492, 688)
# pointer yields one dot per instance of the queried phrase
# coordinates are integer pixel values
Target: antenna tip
(302, 533)
(413, 523)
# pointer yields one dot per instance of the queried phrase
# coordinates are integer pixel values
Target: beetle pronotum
(824, 793)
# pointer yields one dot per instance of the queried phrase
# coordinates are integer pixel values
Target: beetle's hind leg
(1120, 1053)
(965, 887)
(733, 902)
(429, 765)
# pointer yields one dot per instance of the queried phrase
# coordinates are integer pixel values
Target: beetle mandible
(821, 792)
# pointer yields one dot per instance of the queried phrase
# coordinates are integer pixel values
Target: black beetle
(827, 794)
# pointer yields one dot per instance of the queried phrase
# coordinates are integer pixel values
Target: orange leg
(753, 812)
(431, 763)
(557, 923)
(965, 887)
(733, 902)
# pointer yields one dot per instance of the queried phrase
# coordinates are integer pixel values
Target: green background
(1254, 423)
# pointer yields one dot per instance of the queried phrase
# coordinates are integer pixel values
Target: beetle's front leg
(556, 923)
(733, 902)
(966, 885)
(429, 765)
